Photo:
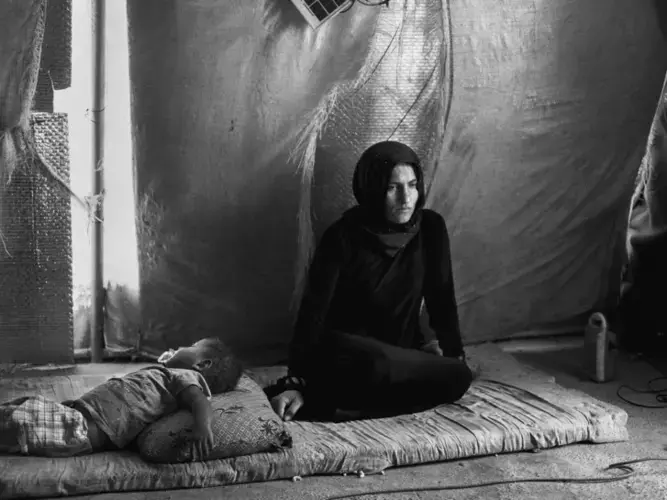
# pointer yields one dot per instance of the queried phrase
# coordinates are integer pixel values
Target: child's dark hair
(225, 370)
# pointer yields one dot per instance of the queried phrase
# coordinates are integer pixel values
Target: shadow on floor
(559, 363)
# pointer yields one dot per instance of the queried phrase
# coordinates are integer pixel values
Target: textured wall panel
(36, 254)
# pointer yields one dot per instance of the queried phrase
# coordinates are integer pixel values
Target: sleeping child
(111, 415)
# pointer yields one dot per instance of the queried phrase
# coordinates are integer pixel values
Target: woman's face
(402, 194)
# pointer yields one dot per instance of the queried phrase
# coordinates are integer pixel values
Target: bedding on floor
(506, 410)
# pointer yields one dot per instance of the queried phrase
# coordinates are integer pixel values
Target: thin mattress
(509, 408)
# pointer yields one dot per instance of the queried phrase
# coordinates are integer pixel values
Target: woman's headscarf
(369, 185)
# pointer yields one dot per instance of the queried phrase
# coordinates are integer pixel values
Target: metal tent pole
(98, 292)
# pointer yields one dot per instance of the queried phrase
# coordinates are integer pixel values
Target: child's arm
(193, 399)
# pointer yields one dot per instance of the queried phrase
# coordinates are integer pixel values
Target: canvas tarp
(560, 95)
(220, 92)
(21, 36)
(532, 119)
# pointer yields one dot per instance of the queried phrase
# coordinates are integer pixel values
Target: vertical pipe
(98, 295)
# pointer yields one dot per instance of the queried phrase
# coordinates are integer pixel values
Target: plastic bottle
(600, 349)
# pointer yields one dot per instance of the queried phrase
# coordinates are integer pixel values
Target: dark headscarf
(369, 185)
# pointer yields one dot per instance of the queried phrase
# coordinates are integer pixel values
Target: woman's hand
(432, 347)
(287, 404)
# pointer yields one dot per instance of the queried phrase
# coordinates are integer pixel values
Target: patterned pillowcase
(244, 423)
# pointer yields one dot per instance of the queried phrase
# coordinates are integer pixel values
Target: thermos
(600, 349)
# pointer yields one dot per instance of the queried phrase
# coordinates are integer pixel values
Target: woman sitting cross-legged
(357, 344)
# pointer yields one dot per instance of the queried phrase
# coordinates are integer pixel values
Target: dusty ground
(648, 438)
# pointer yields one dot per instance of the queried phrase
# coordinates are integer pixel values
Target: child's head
(212, 358)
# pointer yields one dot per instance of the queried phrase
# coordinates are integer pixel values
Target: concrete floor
(648, 438)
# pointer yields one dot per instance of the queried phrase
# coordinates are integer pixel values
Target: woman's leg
(362, 373)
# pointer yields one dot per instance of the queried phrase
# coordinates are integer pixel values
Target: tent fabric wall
(535, 192)
(220, 93)
(404, 99)
(558, 97)
(532, 117)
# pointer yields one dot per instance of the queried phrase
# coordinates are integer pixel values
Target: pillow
(243, 423)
